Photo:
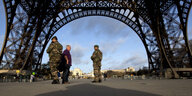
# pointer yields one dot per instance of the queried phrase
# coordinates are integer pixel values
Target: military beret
(96, 46)
(55, 37)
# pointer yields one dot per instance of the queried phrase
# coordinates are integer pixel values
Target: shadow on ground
(95, 90)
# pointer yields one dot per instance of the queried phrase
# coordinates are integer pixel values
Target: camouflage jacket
(55, 50)
(97, 56)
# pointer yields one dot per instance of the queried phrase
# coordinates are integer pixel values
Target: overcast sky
(120, 45)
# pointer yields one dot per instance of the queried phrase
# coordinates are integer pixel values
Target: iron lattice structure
(160, 24)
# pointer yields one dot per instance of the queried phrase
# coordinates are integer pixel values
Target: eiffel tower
(160, 24)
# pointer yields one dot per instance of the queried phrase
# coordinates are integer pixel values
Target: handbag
(61, 66)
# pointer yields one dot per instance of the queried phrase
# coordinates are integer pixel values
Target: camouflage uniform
(54, 50)
(96, 58)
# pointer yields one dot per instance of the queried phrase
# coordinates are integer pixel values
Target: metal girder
(160, 24)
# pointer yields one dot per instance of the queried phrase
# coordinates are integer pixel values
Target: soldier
(96, 58)
(55, 51)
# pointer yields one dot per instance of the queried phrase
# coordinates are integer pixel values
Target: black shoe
(55, 82)
(95, 82)
(100, 81)
(63, 82)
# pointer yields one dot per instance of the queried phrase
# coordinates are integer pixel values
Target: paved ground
(107, 88)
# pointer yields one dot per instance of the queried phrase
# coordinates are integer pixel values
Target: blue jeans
(66, 75)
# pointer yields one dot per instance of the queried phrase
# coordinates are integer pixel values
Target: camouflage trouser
(97, 71)
(54, 71)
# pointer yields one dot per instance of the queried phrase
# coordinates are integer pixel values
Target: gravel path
(112, 87)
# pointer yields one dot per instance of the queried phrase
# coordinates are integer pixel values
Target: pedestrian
(55, 51)
(132, 76)
(105, 76)
(32, 78)
(97, 58)
(68, 64)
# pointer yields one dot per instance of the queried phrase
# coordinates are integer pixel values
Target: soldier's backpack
(62, 63)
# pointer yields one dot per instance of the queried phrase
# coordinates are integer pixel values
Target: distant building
(89, 74)
(129, 69)
(119, 70)
(77, 72)
(119, 73)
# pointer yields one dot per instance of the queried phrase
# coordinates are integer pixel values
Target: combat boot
(54, 82)
(95, 81)
(57, 82)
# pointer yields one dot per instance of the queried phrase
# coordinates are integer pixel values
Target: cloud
(190, 33)
(105, 25)
(1, 40)
(77, 53)
(136, 61)
(111, 47)
(1, 8)
(100, 26)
